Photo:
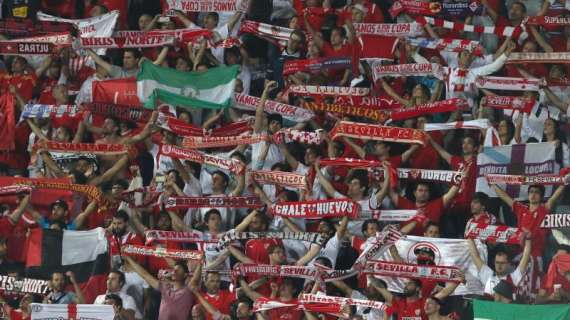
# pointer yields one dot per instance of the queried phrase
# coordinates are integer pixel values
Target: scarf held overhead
(414, 271)
(231, 236)
(45, 111)
(173, 151)
(124, 42)
(316, 65)
(289, 112)
(449, 105)
(357, 111)
(376, 132)
(139, 250)
(316, 209)
(175, 236)
(212, 202)
(453, 45)
(494, 234)
(508, 102)
(509, 83)
(389, 29)
(281, 178)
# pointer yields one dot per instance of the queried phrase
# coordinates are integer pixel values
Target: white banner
(41, 311)
(447, 252)
(530, 159)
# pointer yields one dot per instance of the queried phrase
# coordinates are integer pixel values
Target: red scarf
(184, 129)
(357, 111)
(494, 234)
(508, 102)
(316, 65)
(389, 29)
(212, 202)
(316, 209)
(509, 83)
(376, 132)
(222, 141)
(175, 236)
(14, 190)
(413, 271)
(282, 178)
(289, 112)
(504, 31)
(405, 70)
(539, 57)
(547, 21)
(82, 148)
(139, 250)
(125, 42)
(172, 151)
(121, 112)
(7, 122)
(368, 102)
(328, 91)
(414, 7)
(429, 108)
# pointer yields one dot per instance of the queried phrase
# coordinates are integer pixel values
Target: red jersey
(530, 221)
(129, 238)
(6, 226)
(468, 189)
(395, 161)
(24, 83)
(221, 301)
(46, 86)
(426, 157)
(431, 210)
(484, 217)
(407, 310)
(256, 249)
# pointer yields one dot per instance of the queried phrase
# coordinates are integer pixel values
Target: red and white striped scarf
(538, 57)
(380, 243)
(547, 21)
(453, 45)
(389, 215)
(310, 301)
(456, 79)
(14, 190)
(124, 42)
(357, 111)
(122, 112)
(414, 271)
(389, 29)
(184, 129)
(376, 132)
(289, 112)
(149, 196)
(82, 148)
(316, 65)
(281, 178)
(316, 209)
(508, 102)
(504, 31)
(230, 236)
(368, 102)
(545, 180)
(493, 233)
(210, 202)
(449, 105)
(328, 90)
(292, 135)
(26, 48)
(203, 5)
(405, 70)
(478, 124)
(509, 83)
(172, 151)
(139, 250)
(274, 34)
(77, 63)
(181, 35)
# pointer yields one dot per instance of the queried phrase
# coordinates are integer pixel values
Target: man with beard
(411, 305)
(60, 213)
(431, 309)
(58, 295)
(119, 237)
(115, 283)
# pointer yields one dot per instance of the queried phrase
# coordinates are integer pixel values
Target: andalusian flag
(212, 89)
(488, 310)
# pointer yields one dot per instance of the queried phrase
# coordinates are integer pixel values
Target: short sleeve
(516, 276)
(485, 274)
(116, 71)
(517, 208)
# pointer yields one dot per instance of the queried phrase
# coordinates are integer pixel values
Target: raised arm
(102, 63)
(161, 56)
(440, 150)
(215, 313)
(246, 221)
(343, 287)
(293, 163)
(249, 292)
(408, 153)
(555, 100)
(383, 192)
(449, 195)
(503, 195)
(448, 289)
(80, 219)
(76, 287)
(142, 272)
(376, 284)
(15, 216)
(540, 39)
(554, 198)
(111, 172)
(259, 123)
(390, 91)
(313, 251)
(355, 147)
(325, 183)
(233, 21)
(474, 253)
(240, 185)
(525, 259)
(490, 11)
(317, 39)
(145, 133)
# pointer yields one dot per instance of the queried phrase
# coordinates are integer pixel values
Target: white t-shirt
(273, 154)
(134, 287)
(489, 279)
(366, 313)
(128, 303)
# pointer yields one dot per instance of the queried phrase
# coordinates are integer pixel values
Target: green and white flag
(488, 310)
(212, 89)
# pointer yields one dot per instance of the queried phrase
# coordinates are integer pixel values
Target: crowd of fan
(133, 286)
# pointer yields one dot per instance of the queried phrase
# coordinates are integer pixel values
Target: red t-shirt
(426, 157)
(46, 86)
(6, 227)
(409, 310)
(530, 221)
(468, 189)
(256, 249)
(24, 83)
(286, 313)
(431, 210)
(129, 238)
(157, 263)
(221, 301)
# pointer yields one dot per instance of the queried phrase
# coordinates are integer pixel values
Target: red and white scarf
(453, 45)
(328, 90)
(449, 105)
(184, 129)
(139, 250)
(508, 102)
(350, 162)
(274, 34)
(493, 233)
(124, 42)
(172, 151)
(547, 21)
(192, 142)
(504, 31)
(181, 35)
(414, 7)
(176, 236)
(26, 48)
(82, 148)
(126, 113)
(509, 83)
(316, 209)
(414, 271)
(212, 202)
(199, 6)
(545, 180)
(281, 178)
(91, 192)
(539, 57)
(380, 243)
(409, 69)
(231, 236)
(376, 132)
(389, 29)
(478, 124)
(447, 176)
(149, 196)
(44, 111)
(310, 300)
(292, 135)
(14, 190)
(357, 111)
(368, 102)
(289, 112)
(389, 215)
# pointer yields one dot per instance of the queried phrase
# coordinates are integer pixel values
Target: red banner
(7, 123)
(116, 91)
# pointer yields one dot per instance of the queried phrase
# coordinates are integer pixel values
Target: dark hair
(501, 250)
(136, 52)
(431, 223)
(275, 117)
(362, 177)
(178, 179)
(282, 166)
(340, 30)
(418, 282)
(423, 183)
(475, 141)
(324, 261)
(539, 187)
(481, 197)
(520, 4)
(121, 275)
(223, 175)
(122, 183)
(210, 213)
(183, 266)
(291, 195)
(367, 222)
(60, 202)
(510, 129)
(273, 247)
(239, 155)
(115, 297)
(117, 123)
(62, 226)
(214, 15)
(122, 215)
(78, 176)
